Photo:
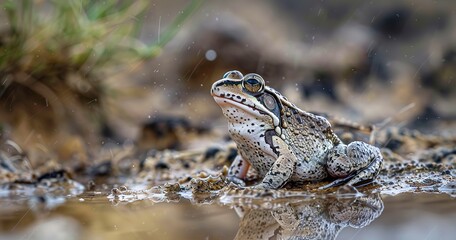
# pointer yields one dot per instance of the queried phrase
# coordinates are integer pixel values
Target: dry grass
(56, 61)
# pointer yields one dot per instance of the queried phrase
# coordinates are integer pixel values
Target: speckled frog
(283, 144)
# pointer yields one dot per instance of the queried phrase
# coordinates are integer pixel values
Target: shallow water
(93, 216)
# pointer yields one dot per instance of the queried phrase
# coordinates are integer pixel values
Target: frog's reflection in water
(308, 219)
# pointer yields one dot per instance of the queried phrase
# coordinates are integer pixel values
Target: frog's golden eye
(233, 75)
(253, 83)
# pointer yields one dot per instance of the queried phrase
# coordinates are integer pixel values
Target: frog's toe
(261, 186)
(239, 182)
(336, 183)
(368, 173)
(348, 181)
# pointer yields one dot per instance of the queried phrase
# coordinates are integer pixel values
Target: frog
(319, 218)
(281, 144)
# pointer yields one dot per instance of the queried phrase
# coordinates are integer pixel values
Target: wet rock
(207, 184)
(161, 166)
(57, 174)
(392, 23)
(211, 152)
(322, 83)
(449, 188)
(102, 169)
(116, 192)
(439, 78)
(172, 187)
(91, 185)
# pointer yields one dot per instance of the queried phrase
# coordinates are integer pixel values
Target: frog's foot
(368, 173)
(239, 182)
(353, 164)
(336, 183)
(261, 186)
(345, 181)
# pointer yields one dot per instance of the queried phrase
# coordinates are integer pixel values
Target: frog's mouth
(224, 101)
(257, 110)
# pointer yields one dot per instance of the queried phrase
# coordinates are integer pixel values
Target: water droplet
(211, 55)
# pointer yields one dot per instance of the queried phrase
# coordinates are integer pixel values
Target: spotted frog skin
(281, 143)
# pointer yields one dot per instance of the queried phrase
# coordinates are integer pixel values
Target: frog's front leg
(283, 167)
(238, 171)
(353, 163)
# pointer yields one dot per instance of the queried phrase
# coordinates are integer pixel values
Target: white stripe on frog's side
(248, 131)
(243, 105)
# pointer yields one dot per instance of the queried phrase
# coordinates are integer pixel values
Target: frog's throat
(248, 108)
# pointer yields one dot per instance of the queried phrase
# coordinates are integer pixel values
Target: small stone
(116, 191)
(453, 172)
(91, 185)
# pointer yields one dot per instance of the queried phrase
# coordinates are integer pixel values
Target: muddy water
(94, 216)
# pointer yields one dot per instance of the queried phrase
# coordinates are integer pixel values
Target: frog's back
(310, 135)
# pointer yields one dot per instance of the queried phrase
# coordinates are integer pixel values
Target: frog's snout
(214, 89)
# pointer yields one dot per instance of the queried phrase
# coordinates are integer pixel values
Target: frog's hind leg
(353, 163)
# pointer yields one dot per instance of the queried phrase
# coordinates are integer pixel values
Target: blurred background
(79, 74)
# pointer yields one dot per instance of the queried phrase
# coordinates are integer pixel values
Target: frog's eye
(233, 75)
(253, 83)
